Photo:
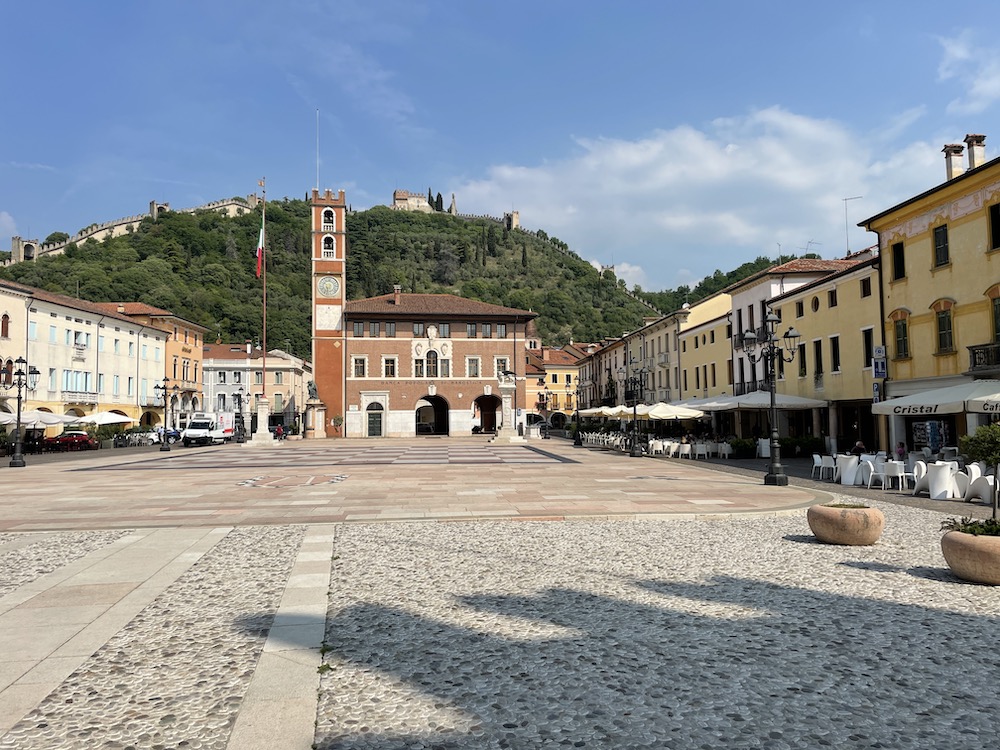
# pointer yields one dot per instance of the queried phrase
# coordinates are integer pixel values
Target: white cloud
(976, 68)
(672, 207)
(8, 227)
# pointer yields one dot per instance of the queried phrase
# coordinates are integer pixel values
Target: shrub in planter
(852, 524)
(743, 448)
(971, 548)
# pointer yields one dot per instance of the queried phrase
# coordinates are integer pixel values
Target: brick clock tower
(329, 341)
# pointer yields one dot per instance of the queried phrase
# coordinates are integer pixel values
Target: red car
(70, 441)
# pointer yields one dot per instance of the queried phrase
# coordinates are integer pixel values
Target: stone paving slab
(149, 599)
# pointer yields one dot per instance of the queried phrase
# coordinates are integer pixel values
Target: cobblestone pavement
(181, 600)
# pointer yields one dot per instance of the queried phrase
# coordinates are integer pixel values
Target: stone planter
(972, 558)
(853, 526)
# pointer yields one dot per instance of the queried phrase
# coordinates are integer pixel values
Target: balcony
(984, 359)
(742, 389)
(79, 397)
(663, 359)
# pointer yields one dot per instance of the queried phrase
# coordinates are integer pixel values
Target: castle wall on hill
(22, 249)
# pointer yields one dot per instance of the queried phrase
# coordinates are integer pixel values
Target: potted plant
(846, 523)
(971, 547)
(984, 445)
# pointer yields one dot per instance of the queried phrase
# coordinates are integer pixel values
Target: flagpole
(263, 263)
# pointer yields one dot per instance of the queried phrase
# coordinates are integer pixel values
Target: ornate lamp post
(238, 397)
(770, 350)
(544, 399)
(165, 392)
(22, 383)
(634, 385)
(574, 391)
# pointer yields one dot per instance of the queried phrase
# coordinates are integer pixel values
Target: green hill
(201, 267)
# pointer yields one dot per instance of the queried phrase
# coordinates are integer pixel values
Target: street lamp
(544, 399)
(634, 386)
(238, 397)
(575, 392)
(769, 352)
(165, 392)
(23, 383)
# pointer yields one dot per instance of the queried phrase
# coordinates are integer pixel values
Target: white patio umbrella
(762, 400)
(37, 418)
(7, 418)
(672, 411)
(594, 411)
(974, 396)
(104, 417)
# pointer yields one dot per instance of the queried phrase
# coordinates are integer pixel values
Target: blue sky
(671, 139)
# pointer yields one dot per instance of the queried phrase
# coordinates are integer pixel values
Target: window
(866, 287)
(52, 380)
(802, 360)
(799, 309)
(711, 337)
(696, 346)
(713, 374)
(236, 376)
(279, 377)
(258, 378)
(818, 356)
(444, 330)
(373, 329)
(470, 330)
(501, 330)
(868, 346)
(418, 368)
(487, 330)
(131, 349)
(995, 226)
(902, 339)
(996, 319)
(729, 330)
(115, 385)
(432, 364)
(502, 365)
(389, 367)
(835, 354)
(358, 366)
(945, 343)
(898, 262)
(33, 331)
(118, 346)
(697, 379)
(390, 330)
(222, 377)
(359, 329)
(5, 326)
(418, 329)
(53, 334)
(278, 404)
(472, 367)
(222, 402)
(832, 298)
(445, 367)
(941, 246)
(145, 351)
(131, 386)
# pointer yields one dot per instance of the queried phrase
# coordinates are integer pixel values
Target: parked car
(71, 440)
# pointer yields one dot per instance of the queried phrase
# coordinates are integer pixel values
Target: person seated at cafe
(858, 448)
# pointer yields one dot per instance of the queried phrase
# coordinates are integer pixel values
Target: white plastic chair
(981, 488)
(876, 470)
(684, 450)
(817, 466)
(700, 450)
(725, 450)
(896, 470)
(828, 465)
(920, 481)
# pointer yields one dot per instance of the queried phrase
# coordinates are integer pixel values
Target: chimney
(121, 309)
(977, 150)
(953, 160)
(396, 290)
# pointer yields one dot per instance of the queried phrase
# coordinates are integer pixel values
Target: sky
(669, 139)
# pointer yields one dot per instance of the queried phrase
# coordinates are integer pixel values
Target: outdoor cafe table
(847, 468)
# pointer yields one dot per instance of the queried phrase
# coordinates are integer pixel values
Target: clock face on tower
(328, 286)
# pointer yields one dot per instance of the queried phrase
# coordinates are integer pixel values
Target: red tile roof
(135, 308)
(425, 305)
(94, 308)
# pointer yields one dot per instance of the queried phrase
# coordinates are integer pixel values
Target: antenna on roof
(847, 224)
(317, 148)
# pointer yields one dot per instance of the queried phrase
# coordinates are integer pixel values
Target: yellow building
(941, 289)
(707, 349)
(837, 318)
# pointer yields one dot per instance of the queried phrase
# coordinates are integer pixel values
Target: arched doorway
(431, 416)
(558, 420)
(374, 413)
(486, 409)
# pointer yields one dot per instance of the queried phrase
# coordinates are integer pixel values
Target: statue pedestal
(507, 434)
(262, 438)
(315, 419)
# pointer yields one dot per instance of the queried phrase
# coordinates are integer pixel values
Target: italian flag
(260, 251)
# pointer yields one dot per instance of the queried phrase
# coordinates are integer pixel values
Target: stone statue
(313, 393)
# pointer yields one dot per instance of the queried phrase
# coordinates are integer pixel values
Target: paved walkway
(165, 600)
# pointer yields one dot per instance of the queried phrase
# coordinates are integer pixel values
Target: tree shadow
(725, 663)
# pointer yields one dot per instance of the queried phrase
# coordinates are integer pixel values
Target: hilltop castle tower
(329, 344)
